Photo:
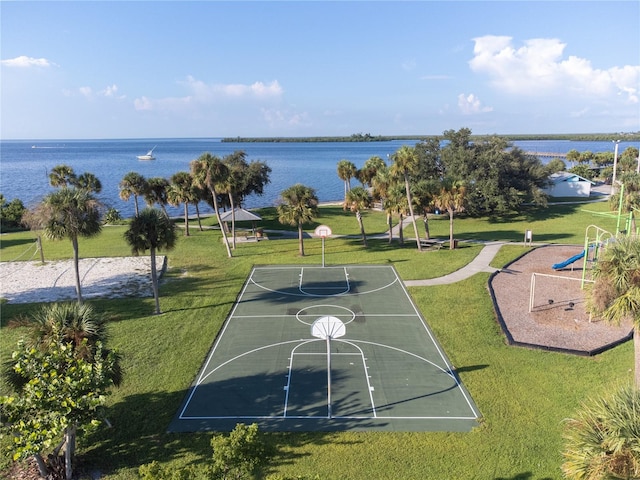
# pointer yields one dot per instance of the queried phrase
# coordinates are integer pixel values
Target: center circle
(324, 310)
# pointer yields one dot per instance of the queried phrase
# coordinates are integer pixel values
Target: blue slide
(568, 261)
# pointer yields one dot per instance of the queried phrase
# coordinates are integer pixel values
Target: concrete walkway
(477, 265)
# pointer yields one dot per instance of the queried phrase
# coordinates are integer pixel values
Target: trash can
(455, 243)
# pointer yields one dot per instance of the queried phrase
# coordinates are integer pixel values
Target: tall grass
(523, 395)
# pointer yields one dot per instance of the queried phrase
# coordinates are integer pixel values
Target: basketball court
(315, 348)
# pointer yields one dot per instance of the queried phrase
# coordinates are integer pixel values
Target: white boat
(148, 155)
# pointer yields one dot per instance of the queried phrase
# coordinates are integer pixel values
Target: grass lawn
(523, 395)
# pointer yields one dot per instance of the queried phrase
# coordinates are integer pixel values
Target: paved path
(478, 264)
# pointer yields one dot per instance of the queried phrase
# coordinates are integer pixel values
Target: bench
(432, 244)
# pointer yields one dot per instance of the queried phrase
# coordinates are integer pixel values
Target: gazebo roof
(242, 215)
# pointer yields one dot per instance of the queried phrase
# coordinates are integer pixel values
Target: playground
(554, 316)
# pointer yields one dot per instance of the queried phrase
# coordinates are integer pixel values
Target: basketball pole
(328, 373)
(323, 251)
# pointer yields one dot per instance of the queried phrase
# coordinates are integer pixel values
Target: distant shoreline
(589, 137)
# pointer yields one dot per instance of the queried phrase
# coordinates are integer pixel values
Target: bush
(112, 216)
(11, 214)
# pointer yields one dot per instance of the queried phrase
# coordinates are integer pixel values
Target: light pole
(615, 166)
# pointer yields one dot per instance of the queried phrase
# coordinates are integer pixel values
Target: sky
(168, 69)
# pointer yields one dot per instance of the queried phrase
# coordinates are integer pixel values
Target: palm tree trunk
(224, 234)
(401, 231)
(154, 279)
(360, 222)
(76, 266)
(233, 220)
(390, 223)
(198, 216)
(413, 218)
(425, 219)
(300, 241)
(451, 230)
(186, 219)
(135, 203)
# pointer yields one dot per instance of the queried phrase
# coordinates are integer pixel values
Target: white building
(566, 184)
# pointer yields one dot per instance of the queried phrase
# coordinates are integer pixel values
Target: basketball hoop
(322, 231)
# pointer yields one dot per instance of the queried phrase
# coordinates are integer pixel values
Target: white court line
(205, 374)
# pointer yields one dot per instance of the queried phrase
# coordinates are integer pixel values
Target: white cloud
(111, 91)
(538, 68)
(277, 118)
(201, 93)
(470, 104)
(25, 62)
(86, 92)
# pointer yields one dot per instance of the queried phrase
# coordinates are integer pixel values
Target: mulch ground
(558, 318)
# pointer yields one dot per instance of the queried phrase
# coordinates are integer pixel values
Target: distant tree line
(359, 137)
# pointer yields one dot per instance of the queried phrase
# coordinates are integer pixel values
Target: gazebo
(241, 215)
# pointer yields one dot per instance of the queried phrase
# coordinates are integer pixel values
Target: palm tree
(62, 176)
(381, 185)
(209, 171)
(424, 193)
(152, 230)
(181, 191)
(346, 171)
(88, 181)
(358, 199)
(300, 206)
(68, 213)
(62, 323)
(369, 170)
(615, 293)
(406, 162)
(603, 440)
(156, 192)
(133, 184)
(450, 198)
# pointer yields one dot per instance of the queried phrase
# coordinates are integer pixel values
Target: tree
(346, 171)
(156, 192)
(573, 156)
(358, 199)
(152, 230)
(630, 197)
(62, 176)
(79, 325)
(10, 213)
(603, 440)
(209, 171)
(381, 185)
(300, 206)
(450, 198)
(89, 182)
(405, 162)
(181, 190)
(133, 184)
(369, 170)
(68, 213)
(615, 293)
(62, 393)
(240, 454)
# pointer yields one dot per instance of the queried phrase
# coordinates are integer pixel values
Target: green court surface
(326, 348)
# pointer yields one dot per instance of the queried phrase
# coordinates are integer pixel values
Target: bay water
(25, 164)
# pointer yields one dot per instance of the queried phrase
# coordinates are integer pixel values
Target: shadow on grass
(139, 427)
(521, 476)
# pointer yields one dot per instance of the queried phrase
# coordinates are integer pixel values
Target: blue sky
(155, 69)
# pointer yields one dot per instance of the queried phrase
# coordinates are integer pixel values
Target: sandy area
(558, 318)
(113, 277)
